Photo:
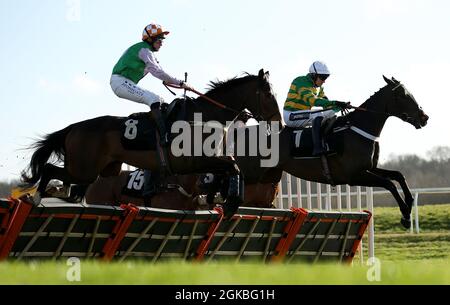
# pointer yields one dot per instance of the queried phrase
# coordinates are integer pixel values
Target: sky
(56, 58)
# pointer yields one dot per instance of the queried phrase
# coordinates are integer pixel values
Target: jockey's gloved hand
(343, 105)
(186, 86)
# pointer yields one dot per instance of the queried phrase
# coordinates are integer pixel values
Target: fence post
(339, 199)
(280, 195)
(359, 208)
(358, 198)
(328, 198)
(348, 197)
(371, 228)
(289, 190)
(416, 210)
(319, 196)
(308, 193)
(299, 193)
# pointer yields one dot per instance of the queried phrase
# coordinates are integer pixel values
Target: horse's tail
(44, 148)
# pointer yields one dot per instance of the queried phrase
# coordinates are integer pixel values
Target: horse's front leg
(235, 193)
(367, 178)
(397, 176)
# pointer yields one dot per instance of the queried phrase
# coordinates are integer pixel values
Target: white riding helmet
(319, 67)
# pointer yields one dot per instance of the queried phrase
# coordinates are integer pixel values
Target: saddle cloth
(138, 131)
(301, 144)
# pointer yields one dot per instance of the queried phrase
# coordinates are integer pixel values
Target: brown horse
(182, 192)
(94, 147)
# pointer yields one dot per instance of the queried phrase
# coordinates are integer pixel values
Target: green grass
(182, 273)
(405, 259)
(392, 242)
(432, 218)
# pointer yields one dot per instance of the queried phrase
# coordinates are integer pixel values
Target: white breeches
(125, 88)
(304, 118)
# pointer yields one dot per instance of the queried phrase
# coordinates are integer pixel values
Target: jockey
(137, 62)
(306, 92)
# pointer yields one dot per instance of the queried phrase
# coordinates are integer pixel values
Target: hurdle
(298, 193)
(56, 230)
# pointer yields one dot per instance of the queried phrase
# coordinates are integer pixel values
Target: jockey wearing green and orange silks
(134, 65)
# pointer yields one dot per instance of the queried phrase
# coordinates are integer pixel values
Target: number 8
(131, 130)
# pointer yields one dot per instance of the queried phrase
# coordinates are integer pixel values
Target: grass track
(181, 273)
(405, 259)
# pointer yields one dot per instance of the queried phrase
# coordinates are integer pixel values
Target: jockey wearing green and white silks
(306, 92)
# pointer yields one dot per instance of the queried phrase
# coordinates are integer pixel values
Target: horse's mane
(225, 85)
(341, 120)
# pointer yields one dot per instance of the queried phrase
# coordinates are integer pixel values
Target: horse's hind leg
(50, 172)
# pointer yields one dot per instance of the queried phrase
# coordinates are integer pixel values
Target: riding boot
(318, 147)
(157, 117)
(151, 181)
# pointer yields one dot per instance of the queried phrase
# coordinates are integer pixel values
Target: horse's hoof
(406, 223)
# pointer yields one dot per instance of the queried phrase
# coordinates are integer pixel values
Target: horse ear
(395, 81)
(261, 73)
(387, 80)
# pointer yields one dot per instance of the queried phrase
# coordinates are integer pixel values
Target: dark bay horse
(354, 146)
(93, 147)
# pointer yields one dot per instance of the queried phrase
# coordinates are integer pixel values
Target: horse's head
(265, 106)
(252, 92)
(404, 105)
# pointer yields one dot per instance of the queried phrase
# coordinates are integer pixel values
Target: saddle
(302, 144)
(138, 131)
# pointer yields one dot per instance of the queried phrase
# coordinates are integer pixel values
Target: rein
(368, 110)
(247, 115)
(216, 103)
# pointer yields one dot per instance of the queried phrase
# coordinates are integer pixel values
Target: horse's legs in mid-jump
(397, 176)
(78, 191)
(50, 172)
(224, 165)
(368, 178)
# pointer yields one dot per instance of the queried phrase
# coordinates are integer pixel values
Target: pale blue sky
(56, 69)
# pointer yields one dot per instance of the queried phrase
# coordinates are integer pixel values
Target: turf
(181, 273)
(404, 258)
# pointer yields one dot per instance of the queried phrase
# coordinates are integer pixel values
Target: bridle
(258, 116)
(405, 117)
